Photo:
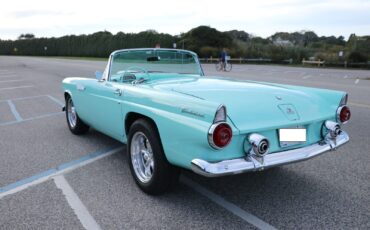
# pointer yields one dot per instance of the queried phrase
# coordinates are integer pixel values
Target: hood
(255, 105)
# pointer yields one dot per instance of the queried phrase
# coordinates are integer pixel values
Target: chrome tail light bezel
(339, 111)
(211, 133)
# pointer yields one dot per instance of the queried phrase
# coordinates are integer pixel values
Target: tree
(203, 36)
(26, 36)
(239, 35)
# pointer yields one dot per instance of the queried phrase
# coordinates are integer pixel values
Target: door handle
(118, 92)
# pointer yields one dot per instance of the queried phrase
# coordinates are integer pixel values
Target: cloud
(263, 18)
(38, 13)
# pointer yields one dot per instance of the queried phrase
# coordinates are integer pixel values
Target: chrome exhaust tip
(333, 128)
(260, 144)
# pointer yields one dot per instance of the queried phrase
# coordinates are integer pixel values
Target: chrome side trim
(256, 163)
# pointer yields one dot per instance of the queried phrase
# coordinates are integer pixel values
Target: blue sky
(261, 18)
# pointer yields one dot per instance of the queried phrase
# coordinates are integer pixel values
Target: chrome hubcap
(71, 112)
(142, 157)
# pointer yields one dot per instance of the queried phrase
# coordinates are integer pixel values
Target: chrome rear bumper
(256, 163)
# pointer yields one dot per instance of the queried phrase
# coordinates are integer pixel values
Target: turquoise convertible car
(171, 116)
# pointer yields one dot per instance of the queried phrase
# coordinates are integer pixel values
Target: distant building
(280, 42)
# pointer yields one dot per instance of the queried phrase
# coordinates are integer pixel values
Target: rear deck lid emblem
(289, 111)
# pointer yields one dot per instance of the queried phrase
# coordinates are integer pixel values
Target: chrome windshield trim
(111, 57)
(256, 163)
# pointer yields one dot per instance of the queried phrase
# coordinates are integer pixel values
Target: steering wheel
(137, 69)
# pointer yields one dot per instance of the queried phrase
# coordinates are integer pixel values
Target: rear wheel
(148, 164)
(218, 66)
(75, 124)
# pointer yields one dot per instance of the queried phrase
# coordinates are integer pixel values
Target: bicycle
(228, 66)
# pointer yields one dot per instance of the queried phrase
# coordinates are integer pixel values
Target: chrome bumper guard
(256, 163)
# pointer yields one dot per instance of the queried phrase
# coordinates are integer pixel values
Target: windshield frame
(107, 73)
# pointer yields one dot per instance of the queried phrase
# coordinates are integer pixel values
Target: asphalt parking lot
(51, 179)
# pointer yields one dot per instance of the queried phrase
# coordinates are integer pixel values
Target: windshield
(155, 61)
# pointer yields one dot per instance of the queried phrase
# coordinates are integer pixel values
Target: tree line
(204, 40)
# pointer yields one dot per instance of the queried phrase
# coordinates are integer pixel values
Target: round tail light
(343, 114)
(219, 135)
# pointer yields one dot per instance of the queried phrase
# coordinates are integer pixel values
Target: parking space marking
(55, 100)
(357, 80)
(5, 81)
(15, 113)
(31, 118)
(86, 219)
(359, 105)
(248, 217)
(10, 75)
(59, 170)
(17, 87)
(23, 98)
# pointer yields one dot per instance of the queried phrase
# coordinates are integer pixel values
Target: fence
(247, 60)
(319, 63)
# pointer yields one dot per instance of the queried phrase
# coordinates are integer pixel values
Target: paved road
(84, 182)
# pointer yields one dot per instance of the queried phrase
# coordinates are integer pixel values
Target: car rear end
(268, 146)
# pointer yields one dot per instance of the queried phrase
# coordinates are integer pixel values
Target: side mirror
(98, 75)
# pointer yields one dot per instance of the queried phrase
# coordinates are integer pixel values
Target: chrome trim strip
(111, 56)
(221, 106)
(344, 100)
(255, 163)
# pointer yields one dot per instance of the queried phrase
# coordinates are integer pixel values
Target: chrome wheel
(142, 157)
(71, 114)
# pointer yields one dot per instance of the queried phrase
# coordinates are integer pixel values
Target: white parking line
(357, 80)
(9, 81)
(32, 118)
(87, 221)
(55, 100)
(7, 75)
(250, 218)
(51, 173)
(17, 87)
(306, 77)
(23, 98)
(15, 113)
(359, 105)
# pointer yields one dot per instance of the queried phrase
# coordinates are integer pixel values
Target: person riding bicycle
(223, 59)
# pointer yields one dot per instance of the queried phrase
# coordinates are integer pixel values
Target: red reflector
(222, 135)
(345, 114)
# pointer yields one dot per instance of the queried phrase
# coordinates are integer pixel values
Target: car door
(106, 108)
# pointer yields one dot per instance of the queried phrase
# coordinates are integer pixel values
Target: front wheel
(75, 124)
(148, 164)
(228, 67)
